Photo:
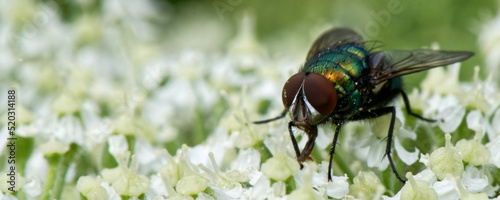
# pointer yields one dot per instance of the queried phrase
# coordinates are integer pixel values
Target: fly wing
(334, 37)
(389, 64)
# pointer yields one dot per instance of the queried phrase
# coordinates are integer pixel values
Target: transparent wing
(333, 37)
(389, 64)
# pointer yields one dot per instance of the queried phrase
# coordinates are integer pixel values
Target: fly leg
(332, 149)
(389, 139)
(312, 133)
(294, 142)
(408, 108)
(379, 112)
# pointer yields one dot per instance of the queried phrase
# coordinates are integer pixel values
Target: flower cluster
(122, 102)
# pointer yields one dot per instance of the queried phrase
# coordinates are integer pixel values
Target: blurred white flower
(118, 146)
(489, 41)
(126, 181)
(91, 187)
(11, 183)
(53, 147)
(494, 147)
(66, 103)
(446, 80)
(33, 187)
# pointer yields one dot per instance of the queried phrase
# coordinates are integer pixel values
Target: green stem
(51, 175)
(58, 167)
(131, 143)
(63, 167)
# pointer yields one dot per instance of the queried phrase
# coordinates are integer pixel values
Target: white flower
(447, 82)
(150, 159)
(261, 187)
(157, 189)
(366, 185)
(191, 181)
(466, 195)
(447, 188)
(53, 147)
(247, 161)
(406, 156)
(450, 113)
(489, 41)
(305, 191)
(474, 180)
(338, 187)
(11, 181)
(118, 146)
(96, 129)
(126, 181)
(473, 151)
(446, 161)
(417, 190)
(225, 183)
(68, 129)
(91, 187)
(33, 187)
(426, 175)
(494, 147)
(474, 120)
(481, 95)
(66, 103)
(281, 166)
(495, 122)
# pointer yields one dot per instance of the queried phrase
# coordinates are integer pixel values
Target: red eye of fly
(320, 93)
(291, 88)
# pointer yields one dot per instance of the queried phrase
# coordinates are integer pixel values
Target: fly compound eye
(291, 88)
(320, 93)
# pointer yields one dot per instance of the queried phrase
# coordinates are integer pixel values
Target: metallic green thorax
(343, 66)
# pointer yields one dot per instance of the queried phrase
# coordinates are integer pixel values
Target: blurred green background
(411, 24)
(398, 24)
